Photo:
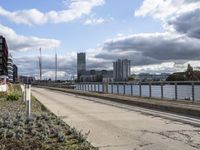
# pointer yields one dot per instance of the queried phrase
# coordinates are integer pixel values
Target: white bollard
(28, 100)
(23, 93)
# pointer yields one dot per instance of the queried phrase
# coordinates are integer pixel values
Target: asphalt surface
(114, 126)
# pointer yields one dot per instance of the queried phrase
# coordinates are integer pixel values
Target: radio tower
(40, 64)
(56, 65)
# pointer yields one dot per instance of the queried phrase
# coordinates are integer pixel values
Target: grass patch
(14, 96)
(43, 131)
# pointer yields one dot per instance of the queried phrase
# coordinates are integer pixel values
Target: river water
(183, 91)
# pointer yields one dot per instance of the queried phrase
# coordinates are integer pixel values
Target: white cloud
(158, 68)
(51, 74)
(75, 10)
(166, 67)
(23, 43)
(94, 21)
(163, 9)
(153, 52)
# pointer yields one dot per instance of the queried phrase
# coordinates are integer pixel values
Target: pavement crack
(179, 135)
(109, 146)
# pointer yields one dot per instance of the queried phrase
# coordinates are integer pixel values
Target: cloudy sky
(156, 35)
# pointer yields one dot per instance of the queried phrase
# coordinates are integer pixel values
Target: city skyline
(154, 35)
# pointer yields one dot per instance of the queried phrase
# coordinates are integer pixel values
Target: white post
(23, 93)
(28, 101)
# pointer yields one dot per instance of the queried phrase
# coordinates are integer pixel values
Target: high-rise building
(121, 70)
(10, 68)
(15, 74)
(3, 56)
(81, 64)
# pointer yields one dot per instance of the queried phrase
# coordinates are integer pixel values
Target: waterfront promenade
(114, 125)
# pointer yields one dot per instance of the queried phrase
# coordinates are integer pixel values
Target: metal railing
(184, 90)
(55, 84)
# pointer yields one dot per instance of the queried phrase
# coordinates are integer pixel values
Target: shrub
(10, 134)
(13, 96)
(61, 137)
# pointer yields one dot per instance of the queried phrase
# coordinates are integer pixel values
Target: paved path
(114, 128)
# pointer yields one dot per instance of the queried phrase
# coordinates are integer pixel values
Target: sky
(158, 36)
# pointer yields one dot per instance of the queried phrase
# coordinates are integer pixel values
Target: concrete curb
(179, 107)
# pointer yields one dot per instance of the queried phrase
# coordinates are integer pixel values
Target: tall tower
(81, 64)
(121, 70)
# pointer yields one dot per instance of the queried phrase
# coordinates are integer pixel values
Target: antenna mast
(40, 64)
(56, 65)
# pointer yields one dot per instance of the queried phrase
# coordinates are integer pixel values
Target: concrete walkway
(175, 106)
(118, 128)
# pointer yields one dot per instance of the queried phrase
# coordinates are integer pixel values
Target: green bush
(13, 96)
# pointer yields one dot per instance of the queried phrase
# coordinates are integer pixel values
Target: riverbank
(42, 131)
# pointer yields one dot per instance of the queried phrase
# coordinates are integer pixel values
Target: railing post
(107, 87)
(92, 87)
(117, 88)
(95, 87)
(124, 88)
(150, 89)
(104, 87)
(176, 92)
(85, 86)
(162, 94)
(140, 88)
(88, 86)
(131, 89)
(98, 87)
(193, 96)
(112, 88)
